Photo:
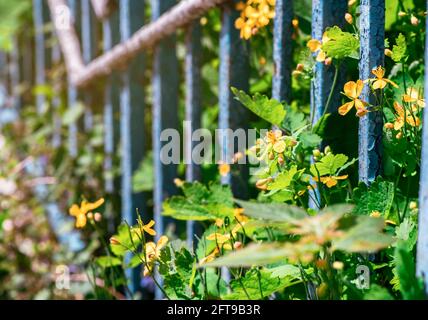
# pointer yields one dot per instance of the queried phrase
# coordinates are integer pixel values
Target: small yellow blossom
(349, 18)
(210, 257)
(380, 82)
(353, 91)
(152, 251)
(224, 169)
(148, 228)
(255, 14)
(412, 96)
(239, 215)
(80, 213)
(404, 116)
(331, 181)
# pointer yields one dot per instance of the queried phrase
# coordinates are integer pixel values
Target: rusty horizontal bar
(177, 17)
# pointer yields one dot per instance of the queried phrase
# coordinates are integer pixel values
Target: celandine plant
(311, 231)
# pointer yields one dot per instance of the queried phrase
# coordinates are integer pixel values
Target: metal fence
(123, 94)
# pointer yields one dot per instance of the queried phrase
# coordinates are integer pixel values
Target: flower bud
(414, 21)
(295, 23)
(327, 150)
(389, 125)
(90, 216)
(388, 53)
(300, 67)
(237, 245)
(349, 18)
(178, 182)
(281, 160)
(114, 241)
(338, 265)
(413, 205)
(98, 217)
(296, 73)
(328, 61)
(402, 14)
(399, 135)
(316, 153)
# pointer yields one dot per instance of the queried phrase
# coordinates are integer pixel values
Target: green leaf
(276, 212)
(378, 197)
(376, 292)
(268, 109)
(399, 50)
(341, 44)
(73, 114)
(309, 140)
(124, 237)
(410, 286)
(406, 233)
(258, 284)
(200, 203)
(261, 254)
(283, 180)
(143, 179)
(108, 262)
(328, 165)
(366, 235)
(294, 120)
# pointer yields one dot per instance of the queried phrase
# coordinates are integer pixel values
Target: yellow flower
(255, 14)
(148, 228)
(412, 96)
(224, 240)
(380, 82)
(239, 215)
(224, 169)
(404, 115)
(315, 46)
(80, 213)
(330, 181)
(210, 257)
(152, 251)
(353, 91)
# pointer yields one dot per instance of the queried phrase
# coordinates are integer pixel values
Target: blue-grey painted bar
(422, 246)
(193, 105)
(325, 13)
(131, 122)
(40, 44)
(56, 100)
(165, 115)
(89, 50)
(234, 72)
(372, 28)
(282, 50)
(15, 73)
(72, 94)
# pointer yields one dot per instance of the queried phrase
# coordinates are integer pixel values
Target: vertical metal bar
(422, 245)
(15, 74)
(372, 28)
(165, 111)
(56, 100)
(132, 121)
(111, 34)
(89, 46)
(72, 93)
(234, 72)
(282, 50)
(193, 107)
(325, 13)
(165, 114)
(40, 65)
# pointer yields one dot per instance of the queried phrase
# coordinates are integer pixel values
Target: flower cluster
(352, 90)
(84, 212)
(255, 14)
(315, 46)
